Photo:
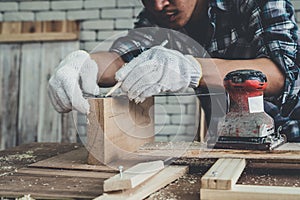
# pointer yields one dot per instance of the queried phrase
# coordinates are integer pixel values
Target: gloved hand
(158, 70)
(77, 73)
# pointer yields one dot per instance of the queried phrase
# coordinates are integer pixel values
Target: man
(237, 34)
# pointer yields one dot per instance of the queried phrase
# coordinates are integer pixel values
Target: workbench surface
(19, 176)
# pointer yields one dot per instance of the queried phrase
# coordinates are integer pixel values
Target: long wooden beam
(198, 150)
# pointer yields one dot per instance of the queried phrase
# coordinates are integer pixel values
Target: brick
(162, 119)
(98, 24)
(129, 3)
(191, 109)
(296, 4)
(171, 129)
(182, 99)
(104, 35)
(181, 138)
(161, 138)
(100, 46)
(50, 15)
(18, 16)
(100, 4)
(89, 46)
(87, 35)
(124, 24)
(171, 109)
(136, 11)
(117, 13)
(83, 14)
(191, 130)
(8, 6)
(298, 17)
(183, 119)
(34, 5)
(161, 99)
(66, 5)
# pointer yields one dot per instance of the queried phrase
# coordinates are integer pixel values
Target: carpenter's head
(175, 13)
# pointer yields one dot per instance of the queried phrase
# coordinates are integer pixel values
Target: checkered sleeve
(273, 23)
(137, 40)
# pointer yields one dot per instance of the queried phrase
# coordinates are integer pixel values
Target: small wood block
(223, 174)
(251, 192)
(118, 127)
(133, 176)
(156, 182)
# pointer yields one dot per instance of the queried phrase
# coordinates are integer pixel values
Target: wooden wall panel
(26, 114)
(51, 126)
(9, 90)
(29, 92)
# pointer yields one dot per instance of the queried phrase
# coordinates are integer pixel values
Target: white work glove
(158, 70)
(77, 73)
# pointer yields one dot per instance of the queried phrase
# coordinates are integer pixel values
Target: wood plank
(117, 127)
(37, 37)
(66, 173)
(223, 174)
(32, 27)
(39, 31)
(76, 159)
(250, 192)
(9, 28)
(198, 150)
(133, 176)
(53, 126)
(29, 93)
(9, 91)
(50, 187)
(158, 181)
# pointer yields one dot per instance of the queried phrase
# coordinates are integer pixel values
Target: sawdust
(8, 162)
(18, 157)
(25, 197)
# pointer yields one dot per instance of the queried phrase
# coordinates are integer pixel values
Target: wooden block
(156, 182)
(133, 176)
(223, 174)
(251, 192)
(117, 127)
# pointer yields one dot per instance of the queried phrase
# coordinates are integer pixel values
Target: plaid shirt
(237, 29)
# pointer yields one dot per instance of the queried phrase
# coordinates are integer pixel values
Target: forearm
(108, 64)
(214, 71)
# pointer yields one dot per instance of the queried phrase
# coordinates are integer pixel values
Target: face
(171, 13)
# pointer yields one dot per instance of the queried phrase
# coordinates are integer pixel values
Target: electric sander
(246, 125)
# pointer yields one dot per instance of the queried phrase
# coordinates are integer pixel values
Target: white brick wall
(100, 20)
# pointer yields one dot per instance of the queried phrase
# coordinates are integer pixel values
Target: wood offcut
(219, 183)
(133, 176)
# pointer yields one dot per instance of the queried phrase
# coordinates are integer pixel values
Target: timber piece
(223, 174)
(200, 151)
(38, 31)
(73, 160)
(156, 182)
(117, 127)
(251, 192)
(133, 176)
(9, 91)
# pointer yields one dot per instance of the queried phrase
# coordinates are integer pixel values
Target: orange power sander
(246, 125)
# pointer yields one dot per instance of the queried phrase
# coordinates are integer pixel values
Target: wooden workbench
(22, 170)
